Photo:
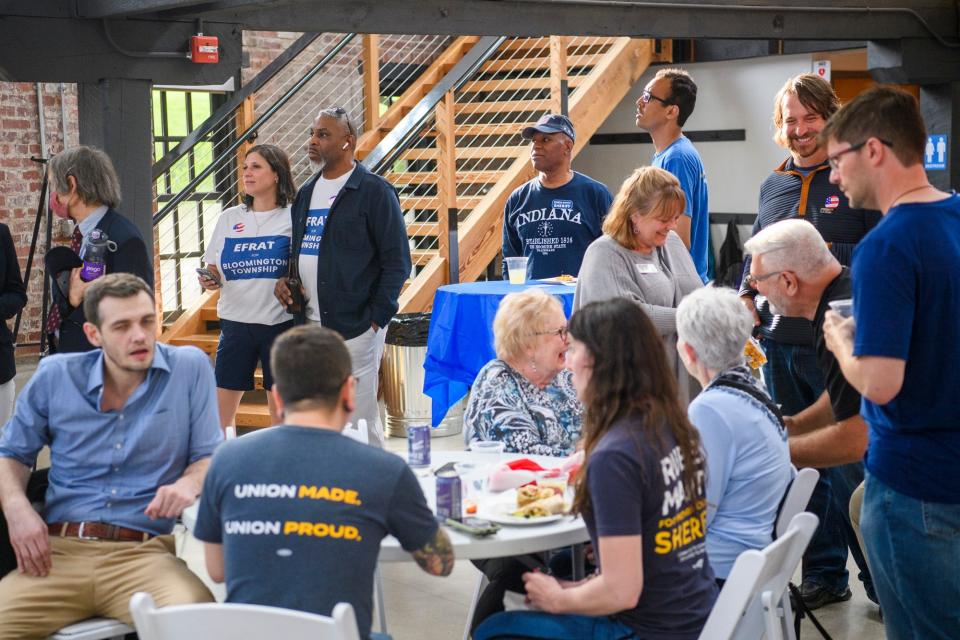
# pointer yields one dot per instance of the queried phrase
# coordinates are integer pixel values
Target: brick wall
(20, 178)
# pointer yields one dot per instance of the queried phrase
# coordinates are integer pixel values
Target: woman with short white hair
(741, 430)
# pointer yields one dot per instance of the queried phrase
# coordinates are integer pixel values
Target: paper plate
(500, 510)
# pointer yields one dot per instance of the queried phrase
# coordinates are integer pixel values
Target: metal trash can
(404, 354)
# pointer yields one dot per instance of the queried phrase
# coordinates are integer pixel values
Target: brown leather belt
(97, 531)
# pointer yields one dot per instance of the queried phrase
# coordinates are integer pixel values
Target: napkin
(516, 473)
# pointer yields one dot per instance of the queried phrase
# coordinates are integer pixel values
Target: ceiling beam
(124, 8)
(815, 20)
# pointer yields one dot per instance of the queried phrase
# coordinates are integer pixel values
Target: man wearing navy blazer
(84, 187)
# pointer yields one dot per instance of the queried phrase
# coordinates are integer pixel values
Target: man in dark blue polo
(131, 427)
(351, 253)
(553, 218)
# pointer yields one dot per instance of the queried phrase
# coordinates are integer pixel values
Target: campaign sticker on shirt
(253, 258)
(239, 227)
(832, 202)
(647, 268)
(316, 222)
(562, 204)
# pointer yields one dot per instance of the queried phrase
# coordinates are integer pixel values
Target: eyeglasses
(752, 280)
(834, 160)
(562, 332)
(646, 97)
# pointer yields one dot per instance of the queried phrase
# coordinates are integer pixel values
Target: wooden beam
(558, 71)
(663, 50)
(446, 171)
(466, 153)
(245, 115)
(516, 84)
(371, 81)
(419, 297)
(192, 320)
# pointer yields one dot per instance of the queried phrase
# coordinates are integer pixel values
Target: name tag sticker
(647, 268)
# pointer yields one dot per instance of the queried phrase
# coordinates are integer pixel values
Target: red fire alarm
(204, 49)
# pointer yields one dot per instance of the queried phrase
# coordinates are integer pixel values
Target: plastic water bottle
(94, 256)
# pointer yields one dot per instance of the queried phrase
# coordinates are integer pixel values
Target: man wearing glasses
(662, 110)
(349, 252)
(800, 188)
(900, 350)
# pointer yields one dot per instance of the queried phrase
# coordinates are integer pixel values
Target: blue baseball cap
(551, 123)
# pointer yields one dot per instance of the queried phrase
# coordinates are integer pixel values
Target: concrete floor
(423, 607)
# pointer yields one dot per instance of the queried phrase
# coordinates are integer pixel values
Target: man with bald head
(349, 252)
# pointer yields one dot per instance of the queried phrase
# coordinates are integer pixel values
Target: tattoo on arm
(436, 557)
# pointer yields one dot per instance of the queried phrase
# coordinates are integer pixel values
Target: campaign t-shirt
(637, 489)
(844, 398)
(906, 301)
(554, 227)
(682, 160)
(251, 249)
(324, 194)
(300, 517)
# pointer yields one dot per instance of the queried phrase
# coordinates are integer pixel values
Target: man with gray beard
(349, 252)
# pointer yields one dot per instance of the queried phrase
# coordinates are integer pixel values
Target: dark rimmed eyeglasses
(562, 332)
(646, 97)
(834, 160)
(752, 280)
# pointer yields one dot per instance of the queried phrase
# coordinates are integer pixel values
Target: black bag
(730, 264)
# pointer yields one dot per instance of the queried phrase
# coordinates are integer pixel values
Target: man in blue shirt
(553, 218)
(662, 110)
(131, 427)
(900, 351)
(300, 526)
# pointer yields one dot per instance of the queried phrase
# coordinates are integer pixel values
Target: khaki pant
(856, 505)
(94, 578)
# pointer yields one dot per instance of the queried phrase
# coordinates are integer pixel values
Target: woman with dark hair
(248, 251)
(640, 492)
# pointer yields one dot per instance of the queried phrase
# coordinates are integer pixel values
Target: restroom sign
(935, 154)
(822, 69)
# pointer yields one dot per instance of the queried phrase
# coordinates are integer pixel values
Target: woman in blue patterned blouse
(524, 397)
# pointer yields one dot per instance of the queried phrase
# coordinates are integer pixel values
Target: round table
(460, 341)
(510, 540)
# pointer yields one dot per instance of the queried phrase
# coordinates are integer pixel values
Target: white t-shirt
(251, 249)
(324, 193)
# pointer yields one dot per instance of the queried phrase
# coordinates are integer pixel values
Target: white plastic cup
(843, 307)
(517, 269)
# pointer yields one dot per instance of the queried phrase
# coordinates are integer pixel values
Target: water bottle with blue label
(94, 256)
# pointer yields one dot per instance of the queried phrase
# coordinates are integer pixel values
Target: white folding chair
(752, 601)
(797, 498)
(238, 622)
(93, 629)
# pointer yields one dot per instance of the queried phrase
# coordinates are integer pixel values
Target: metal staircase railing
(318, 70)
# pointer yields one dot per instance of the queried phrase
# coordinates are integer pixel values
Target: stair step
(430, 177)
(209, 314)
(205, 341)
(258, 379)
(468, 153)
(538, 62)
(251, 414)
(503, 106)
(432, 203)
(421, 257)
(516, 84)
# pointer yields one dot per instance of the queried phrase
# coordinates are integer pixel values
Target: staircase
(455, 169)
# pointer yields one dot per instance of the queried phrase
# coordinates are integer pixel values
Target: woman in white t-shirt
(249, 250)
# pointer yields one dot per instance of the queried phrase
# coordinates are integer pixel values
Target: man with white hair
(741, 429)
(795, 270)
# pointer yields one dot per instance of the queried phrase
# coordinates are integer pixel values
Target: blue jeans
(914, 549)
(537, 624)
(795, 382)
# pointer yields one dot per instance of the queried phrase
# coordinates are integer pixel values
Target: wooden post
(558, 73)
(447, 186)
(371, 81)
(244, 119)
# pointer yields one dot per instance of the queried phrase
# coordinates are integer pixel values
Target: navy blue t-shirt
(637, 489)
(300, 513)
(906, 301)
(554, 227)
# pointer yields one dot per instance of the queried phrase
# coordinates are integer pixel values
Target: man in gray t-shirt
(293, 516)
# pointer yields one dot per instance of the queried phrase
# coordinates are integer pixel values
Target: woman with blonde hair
(524, 397)
(641, 258)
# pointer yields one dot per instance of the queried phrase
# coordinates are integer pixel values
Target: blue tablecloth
(461, 336)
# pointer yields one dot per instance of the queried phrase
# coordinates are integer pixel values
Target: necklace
(909, 191)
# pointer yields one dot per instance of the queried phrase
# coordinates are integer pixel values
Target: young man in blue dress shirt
(131, 427)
